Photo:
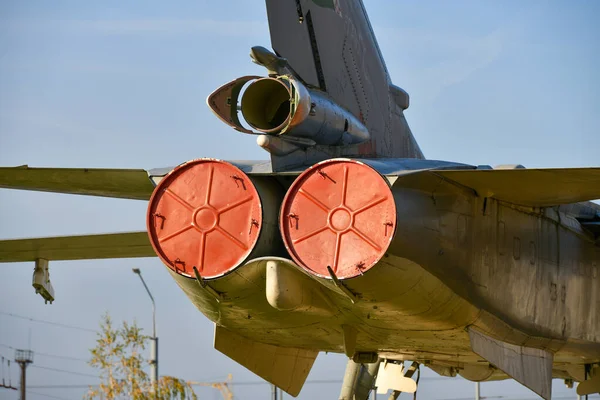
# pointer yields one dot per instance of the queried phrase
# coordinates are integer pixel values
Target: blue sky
(123, 84)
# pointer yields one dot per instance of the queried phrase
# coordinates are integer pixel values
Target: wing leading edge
(531, 187)
(119, 183)
(112, 245)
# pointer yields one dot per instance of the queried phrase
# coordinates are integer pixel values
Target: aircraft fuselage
(522, 275)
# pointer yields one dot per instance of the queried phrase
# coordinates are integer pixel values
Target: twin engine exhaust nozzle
(287, 113)
(207, 217)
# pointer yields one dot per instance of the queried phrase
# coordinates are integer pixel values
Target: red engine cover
(338, 213)
(206, 214)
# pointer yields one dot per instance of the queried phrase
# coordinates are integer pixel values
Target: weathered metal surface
(358, 381)
(350, 380)
(531, 367)
(334, 50)
(444, 271)
(388, 315)
(285, 367)
(391, 376)
(207, 214)
(592, 384)
(385, 166)
(497, 251)
(111, 245)
(224, 100)
(285, 106)
(247, 166)
(41, 280)
(119, 183)
(339, 214)
(502, 251)
(403, 166)
(288, 290)
(276, 145)
(532, 187)
(459, 260)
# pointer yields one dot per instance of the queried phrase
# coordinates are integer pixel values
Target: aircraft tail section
(330, 44)
(328, 93)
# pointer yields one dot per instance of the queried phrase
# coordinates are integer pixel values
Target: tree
(118, 356)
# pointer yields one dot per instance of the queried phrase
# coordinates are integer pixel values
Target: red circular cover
(338, 213)
(206, 214)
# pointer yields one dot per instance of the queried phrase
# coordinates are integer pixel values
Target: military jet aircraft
(348, 240)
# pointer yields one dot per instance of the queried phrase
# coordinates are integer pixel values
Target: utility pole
(273, 392)
(23, 358)
(4, 385)
(154, 338)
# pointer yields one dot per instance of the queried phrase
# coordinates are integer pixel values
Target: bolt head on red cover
(206, 214)
(338, 213)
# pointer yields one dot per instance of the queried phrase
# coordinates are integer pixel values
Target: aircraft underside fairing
(421, 278)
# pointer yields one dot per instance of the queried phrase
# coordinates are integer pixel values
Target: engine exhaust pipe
(285, 107)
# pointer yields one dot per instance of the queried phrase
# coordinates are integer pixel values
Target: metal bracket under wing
(86, 247)
(41, 280)
(528, 366)
(392, 376)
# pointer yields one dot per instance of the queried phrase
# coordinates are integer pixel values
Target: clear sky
(123, 85)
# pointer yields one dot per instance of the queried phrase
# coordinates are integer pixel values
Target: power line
(48, 322)
(251, 383)
(64, 371)
(195, 383)
(314, 381)
(308, 382)
(37, 353)
(47, 395)
(80, 386)
(232, 383)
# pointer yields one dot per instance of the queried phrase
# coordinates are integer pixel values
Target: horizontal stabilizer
(112, 245)
(528, 366)
(119, 183)
(531, 187)
(284, 367)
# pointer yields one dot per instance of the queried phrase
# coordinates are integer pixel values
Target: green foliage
(118, 356)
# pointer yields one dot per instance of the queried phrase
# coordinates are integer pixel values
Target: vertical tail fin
(330, 45)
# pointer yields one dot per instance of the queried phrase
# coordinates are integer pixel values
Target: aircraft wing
(119, 183)
(530, 187)
(112, 245)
